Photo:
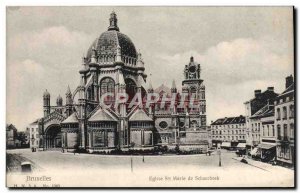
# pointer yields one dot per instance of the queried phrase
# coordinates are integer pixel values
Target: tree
(21, 136)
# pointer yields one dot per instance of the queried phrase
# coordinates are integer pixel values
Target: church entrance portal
(53, 137)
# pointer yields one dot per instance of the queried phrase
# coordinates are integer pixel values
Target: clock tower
(193, 85)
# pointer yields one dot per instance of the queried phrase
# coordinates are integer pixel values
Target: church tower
(194, 87)
(46, 100)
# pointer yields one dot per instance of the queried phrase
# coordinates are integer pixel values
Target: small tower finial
(94, 55)
(113, 22)
(68, 90)
(192, 59)
(150, 88)
(140, 62)
(119, 54)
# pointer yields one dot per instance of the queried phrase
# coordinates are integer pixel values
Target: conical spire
(150, 88)
(173, 88)
(68, 91)
(150, 85)
(68, 96)
(113, 22)
(173, 84)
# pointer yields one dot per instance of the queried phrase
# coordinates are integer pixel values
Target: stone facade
(34, 134)
(228, 132)
(285, 124)
(255, 105)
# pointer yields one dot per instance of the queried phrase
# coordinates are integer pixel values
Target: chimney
(271, 89)
(289, 81)
(257, 93)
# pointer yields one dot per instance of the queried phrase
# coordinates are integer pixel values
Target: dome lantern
(113, 22)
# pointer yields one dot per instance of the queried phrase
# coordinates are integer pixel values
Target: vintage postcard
(150, 97)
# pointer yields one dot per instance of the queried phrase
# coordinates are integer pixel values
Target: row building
(270, 125)
(229, 132)
(284, 122)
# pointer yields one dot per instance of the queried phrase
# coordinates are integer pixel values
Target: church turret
(46, 99)
(194, 87)
(113, 22)
(59, 104)
(59, 101)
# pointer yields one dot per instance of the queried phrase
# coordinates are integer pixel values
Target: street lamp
(131, 161)
(219, 152)
(220, 164)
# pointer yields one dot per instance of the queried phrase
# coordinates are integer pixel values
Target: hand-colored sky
(240, 49)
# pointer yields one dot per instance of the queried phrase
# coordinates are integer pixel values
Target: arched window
(131, 88)
(107, 85)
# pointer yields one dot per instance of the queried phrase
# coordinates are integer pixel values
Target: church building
(113, 65)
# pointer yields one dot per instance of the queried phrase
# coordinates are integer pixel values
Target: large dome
(108, 42)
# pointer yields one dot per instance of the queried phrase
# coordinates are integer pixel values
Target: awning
(254, 151)
(266, 146)
(241, 145)
(225, 144)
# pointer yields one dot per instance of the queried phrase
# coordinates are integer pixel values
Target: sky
(240, 49)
